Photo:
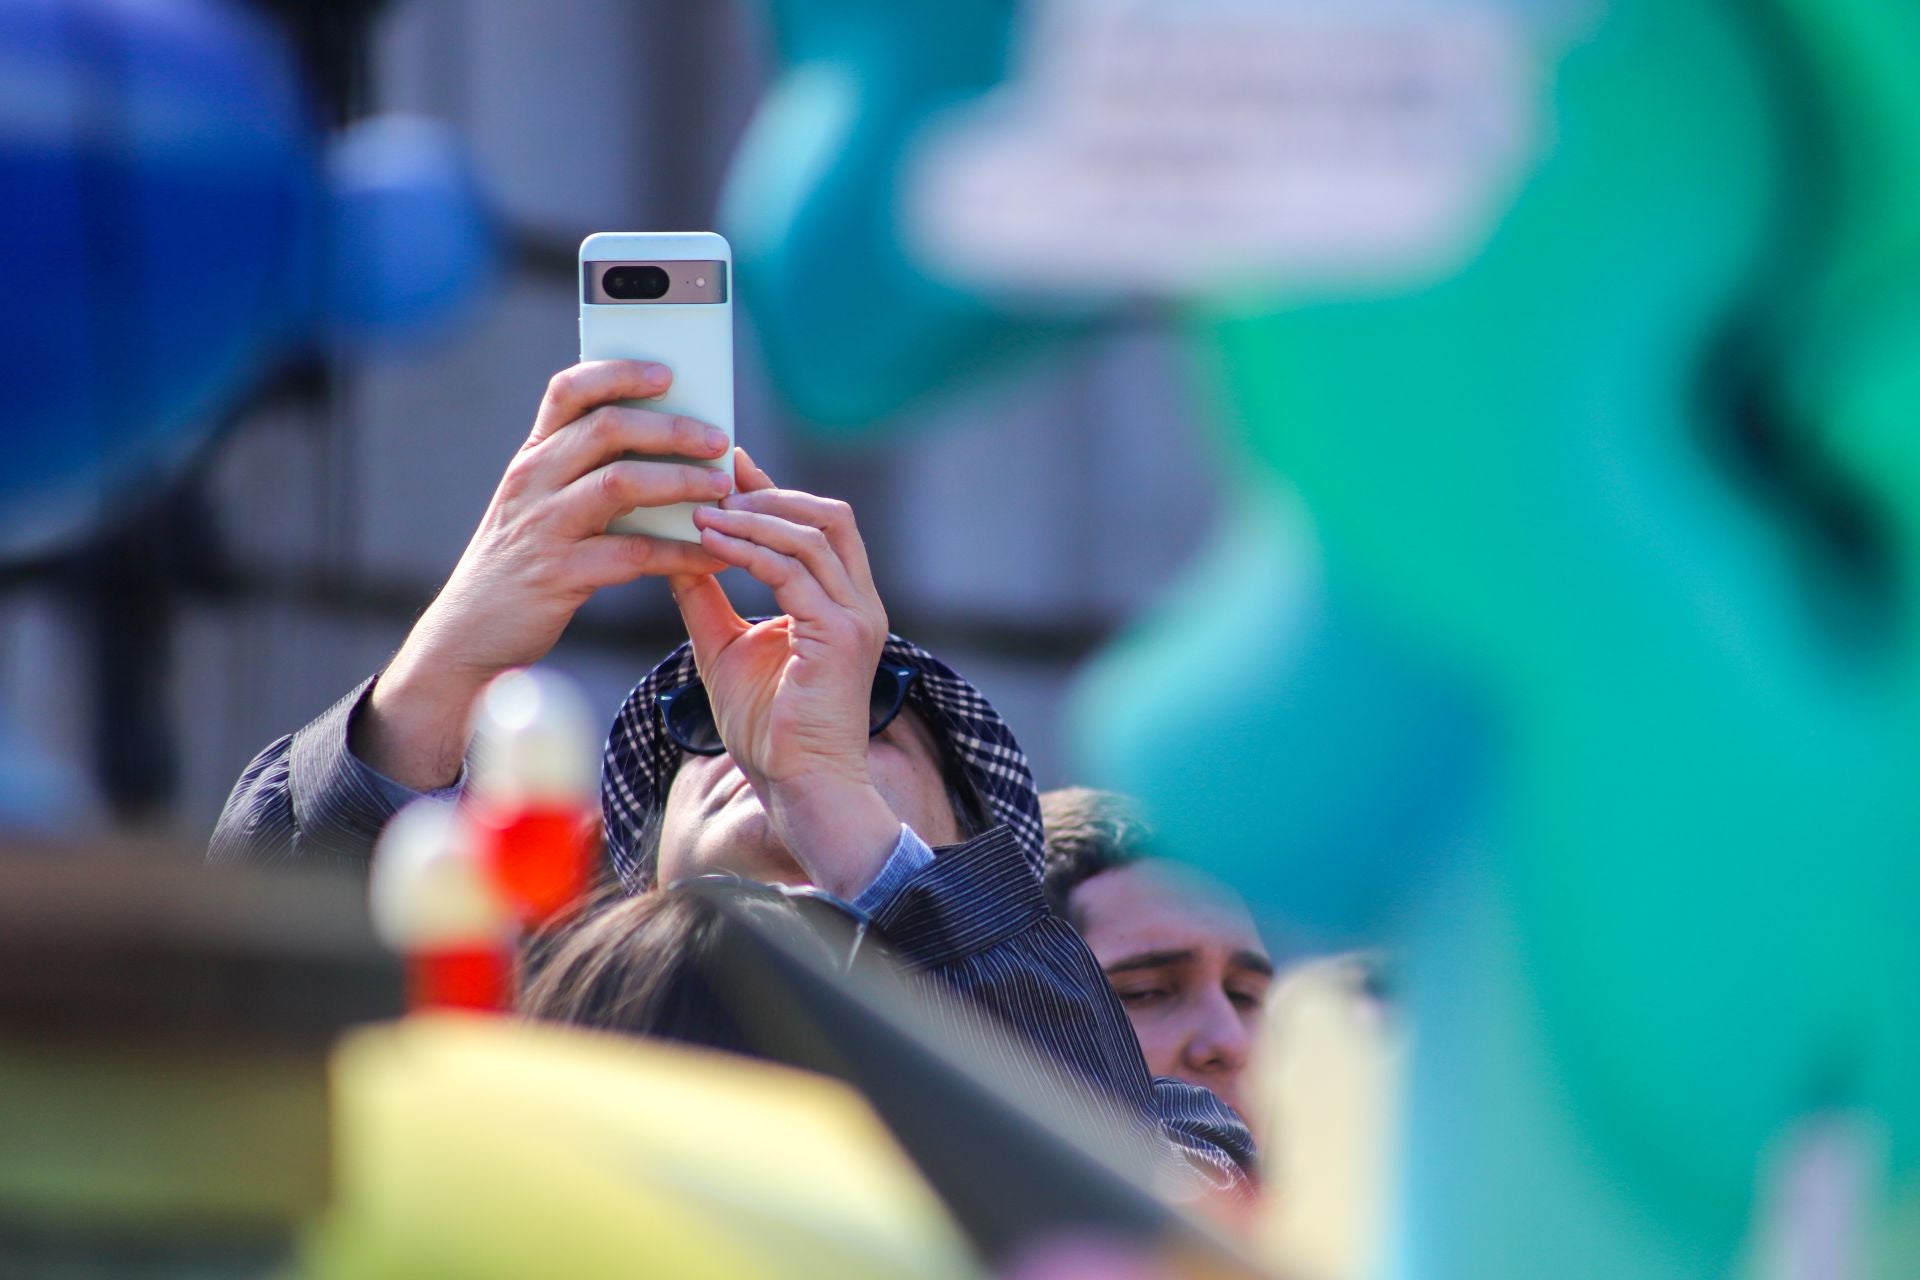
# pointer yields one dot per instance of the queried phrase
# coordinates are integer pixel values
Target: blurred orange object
(436, 901)
(478, 978)
(535, 791)
(539, 855)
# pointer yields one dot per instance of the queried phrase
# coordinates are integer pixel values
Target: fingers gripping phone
(665, 296)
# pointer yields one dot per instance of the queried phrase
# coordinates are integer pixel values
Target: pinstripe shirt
(973, 917)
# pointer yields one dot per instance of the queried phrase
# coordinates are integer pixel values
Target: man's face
(1187, 964)
(713, 821)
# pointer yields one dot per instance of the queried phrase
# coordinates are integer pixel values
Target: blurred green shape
(1592, 470)
(850, 328)
(1265, 705)
(1632, 495)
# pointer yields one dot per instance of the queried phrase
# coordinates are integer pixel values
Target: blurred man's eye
(1143, 995)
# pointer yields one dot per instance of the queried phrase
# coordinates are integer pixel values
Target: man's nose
(1221, 1039)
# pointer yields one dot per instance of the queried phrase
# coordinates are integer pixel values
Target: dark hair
(638, 964)
(969, 809)
(1088, 832)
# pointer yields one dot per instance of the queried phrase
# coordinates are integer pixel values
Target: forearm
(415, 725)
(841, 831)
(1042, 982)
(307, 798)
(256, 824)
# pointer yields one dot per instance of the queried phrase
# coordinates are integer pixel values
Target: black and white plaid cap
(641, 760)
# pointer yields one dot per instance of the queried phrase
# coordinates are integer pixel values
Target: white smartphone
(664, 296)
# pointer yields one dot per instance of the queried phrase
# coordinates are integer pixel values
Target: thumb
(747, 474)
(712, 623)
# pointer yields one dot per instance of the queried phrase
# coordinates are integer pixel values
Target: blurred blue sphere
(412, 246)
(172, 227)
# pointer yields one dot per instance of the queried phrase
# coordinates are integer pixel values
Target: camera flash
(700, 282)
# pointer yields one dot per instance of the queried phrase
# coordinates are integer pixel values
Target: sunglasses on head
(688, 714)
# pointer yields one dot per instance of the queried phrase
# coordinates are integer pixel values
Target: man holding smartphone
(921, 812)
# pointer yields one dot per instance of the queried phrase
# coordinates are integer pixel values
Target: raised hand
(540, 552)
(790, 694)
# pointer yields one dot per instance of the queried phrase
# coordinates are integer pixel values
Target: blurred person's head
(636, 965)
(1179, 948)
(946, 764)
(639, 964)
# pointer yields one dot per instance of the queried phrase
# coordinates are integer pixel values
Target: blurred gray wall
(1013, 528)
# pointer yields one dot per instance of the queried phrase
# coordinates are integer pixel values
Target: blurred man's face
(1187, 964)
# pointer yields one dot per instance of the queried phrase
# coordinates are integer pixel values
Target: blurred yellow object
(1326, 1098)
(481, 1147)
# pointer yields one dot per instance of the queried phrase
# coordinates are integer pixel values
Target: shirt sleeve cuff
(399, 794)
(340, 803)
(909, 855)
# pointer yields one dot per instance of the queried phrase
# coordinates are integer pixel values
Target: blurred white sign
(1173, 147)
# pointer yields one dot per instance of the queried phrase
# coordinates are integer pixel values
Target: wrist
(425, 676)
(839, 828)
(413, 727)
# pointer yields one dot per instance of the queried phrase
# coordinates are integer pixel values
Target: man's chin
(743, 844)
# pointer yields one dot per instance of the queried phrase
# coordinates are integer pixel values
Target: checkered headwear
(641, 759)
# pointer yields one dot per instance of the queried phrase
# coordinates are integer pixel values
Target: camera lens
(635, 282)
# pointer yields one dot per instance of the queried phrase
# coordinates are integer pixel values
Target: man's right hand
(541, 550)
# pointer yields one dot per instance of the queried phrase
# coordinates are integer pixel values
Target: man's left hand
(790, 694)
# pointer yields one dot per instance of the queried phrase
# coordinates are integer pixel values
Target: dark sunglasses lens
(690, 721)
(889, 695)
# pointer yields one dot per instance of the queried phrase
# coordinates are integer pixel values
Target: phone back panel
(695, 340)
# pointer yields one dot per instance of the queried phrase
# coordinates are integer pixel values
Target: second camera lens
(635, 282)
